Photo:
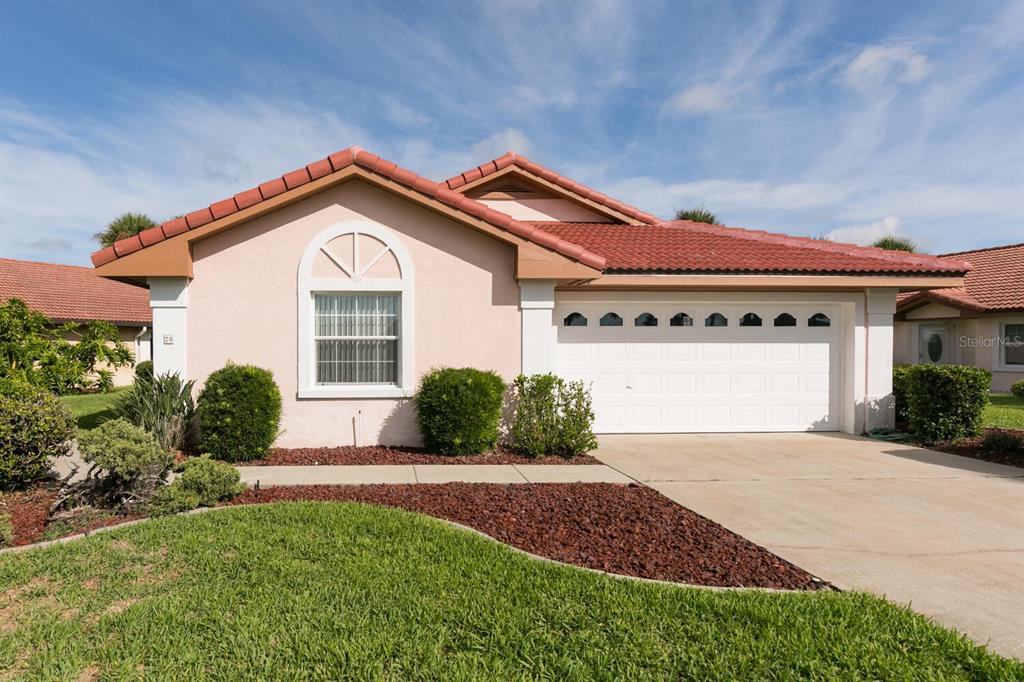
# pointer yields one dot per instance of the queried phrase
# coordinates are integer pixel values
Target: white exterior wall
(540, 334)
(168, 297)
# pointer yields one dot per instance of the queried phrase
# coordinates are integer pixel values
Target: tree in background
(895, 243)
(697, 214)
(125, 225)
(35, 351)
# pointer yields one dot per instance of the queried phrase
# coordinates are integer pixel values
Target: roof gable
(316, 176)
(995, 282)
(511, 164)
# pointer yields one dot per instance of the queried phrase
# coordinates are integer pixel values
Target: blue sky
(812, 118)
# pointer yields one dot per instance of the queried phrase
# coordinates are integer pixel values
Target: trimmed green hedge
(1018, 389)
(239, 413)
(552, 417)
(945, 402)
(899, 392)
(35, 426)
(459, 410)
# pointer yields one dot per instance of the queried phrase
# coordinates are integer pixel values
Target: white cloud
(510, 139)
(878, 63)
(866, 234)
(699, 99)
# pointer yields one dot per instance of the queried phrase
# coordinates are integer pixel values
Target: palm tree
(895, 243)
(125, 225)
(697, 214)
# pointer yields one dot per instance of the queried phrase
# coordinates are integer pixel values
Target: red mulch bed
(630, 530)
(28, 509)
(386, 454)
(971, 447)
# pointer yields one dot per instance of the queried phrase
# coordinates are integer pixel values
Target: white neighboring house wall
(168, 297)
(877, 406)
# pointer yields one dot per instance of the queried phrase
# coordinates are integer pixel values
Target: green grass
(342, 590)
(92, 409)
(1004, 411)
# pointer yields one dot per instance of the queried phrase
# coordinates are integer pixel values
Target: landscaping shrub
(458, 410)
(239, 413)
(1000, 442)
(945, 402)
(34, 427)
(127, 464)
(35, 350)
(144, 370)
(172, 499)
(6, 531)
(551, 417)
(164, 407)
(899, 393)
(1018, 389)
(210, 480)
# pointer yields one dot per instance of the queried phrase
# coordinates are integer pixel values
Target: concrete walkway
(432, 473)
(940, 532)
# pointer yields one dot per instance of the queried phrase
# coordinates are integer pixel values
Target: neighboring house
(979, 324)
(351, 277)
(68, 293)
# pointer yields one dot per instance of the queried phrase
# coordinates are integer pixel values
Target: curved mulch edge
(458, 526)
(398, 454)
(625, 531)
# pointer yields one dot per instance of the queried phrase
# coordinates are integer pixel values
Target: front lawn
(92, 409)
(1004, 411)
(325, 590)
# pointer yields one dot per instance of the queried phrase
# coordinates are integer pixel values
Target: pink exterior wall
(546, 209)
(242, 306)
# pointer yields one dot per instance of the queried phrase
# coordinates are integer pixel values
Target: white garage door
(660, 367)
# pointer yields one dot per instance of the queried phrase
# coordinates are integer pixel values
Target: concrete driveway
(942, 533)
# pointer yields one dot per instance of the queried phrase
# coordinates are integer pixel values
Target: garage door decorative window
(785, 320)
(819, 320)
(681, 320)
(716, 320)
(645, 320)
(611, 320)
(575, 320)
(750, 320)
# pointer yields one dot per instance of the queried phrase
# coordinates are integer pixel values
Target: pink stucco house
(351, 277)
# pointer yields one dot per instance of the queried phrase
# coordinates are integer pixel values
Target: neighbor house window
(611, 320)
(716, 320)
(1013, 344)
(575, 320)
(681, 320)
(356, 338)
(819, 320)
(785, 320)
(645, 320)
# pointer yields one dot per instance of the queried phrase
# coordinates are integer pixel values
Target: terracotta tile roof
(71, 293)
(995, 282)
(332, 164)
(682, 246)
(513, 159)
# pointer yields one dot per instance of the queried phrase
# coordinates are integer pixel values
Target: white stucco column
(168, 298)
(873, 343)
(540, 335)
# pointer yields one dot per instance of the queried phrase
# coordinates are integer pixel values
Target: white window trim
(999, 361)
(308, 285)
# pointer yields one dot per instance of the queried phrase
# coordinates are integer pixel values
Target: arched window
(785, 320)
(575, 320)
(819, 320)
(645, 320)
(355, 306)
(611, 320)
(750, 320)
(681, 320)
(716, 320)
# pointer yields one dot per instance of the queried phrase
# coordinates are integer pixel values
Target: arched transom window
(355, 314)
